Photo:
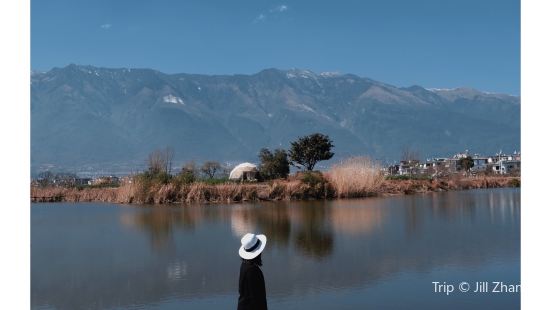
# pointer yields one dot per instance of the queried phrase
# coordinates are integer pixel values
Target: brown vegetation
(355, 177)
(456, 182)
(303, 186)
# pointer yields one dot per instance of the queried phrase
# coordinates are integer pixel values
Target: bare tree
(46, 178)
(188, 173)
(226, 169)
(169, 156)
(209, 168)
(156, 162)
(190, 167)
(409, 154)
(161, 160)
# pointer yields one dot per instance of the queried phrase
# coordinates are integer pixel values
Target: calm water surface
(377, 253)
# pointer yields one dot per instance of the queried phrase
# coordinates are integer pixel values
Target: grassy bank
(300, 187)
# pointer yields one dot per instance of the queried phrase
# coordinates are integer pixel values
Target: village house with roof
(497, 164)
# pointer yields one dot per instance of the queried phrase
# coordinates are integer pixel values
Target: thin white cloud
(280, 8)
(275, 10)
(260, 18)
(106, 26)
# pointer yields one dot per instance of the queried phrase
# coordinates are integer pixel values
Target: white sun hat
(252, 245)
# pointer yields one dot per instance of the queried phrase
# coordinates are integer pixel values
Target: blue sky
(402, 42)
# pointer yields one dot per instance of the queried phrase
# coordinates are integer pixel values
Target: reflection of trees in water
(314, 242)
(313, 237)
(454, 204)
(159, 222)
(274, 221)
(311, 225)
(449, 206)
(413, 218)
(271, 219)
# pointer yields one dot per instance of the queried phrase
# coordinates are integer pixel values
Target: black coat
(252, 290)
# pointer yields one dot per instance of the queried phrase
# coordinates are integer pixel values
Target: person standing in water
(252, 290)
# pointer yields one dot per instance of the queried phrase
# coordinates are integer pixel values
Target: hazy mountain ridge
(89, 115)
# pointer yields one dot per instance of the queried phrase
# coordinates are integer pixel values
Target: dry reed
(355, 177)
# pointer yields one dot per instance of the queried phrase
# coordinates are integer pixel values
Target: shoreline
(278, 190)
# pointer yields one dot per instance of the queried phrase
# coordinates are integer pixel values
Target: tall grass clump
(355, 177)
(148, 184)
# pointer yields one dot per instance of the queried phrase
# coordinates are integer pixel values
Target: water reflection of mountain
(160, 253)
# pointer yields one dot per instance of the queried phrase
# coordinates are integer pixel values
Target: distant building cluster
(500, 163)
(72, 180)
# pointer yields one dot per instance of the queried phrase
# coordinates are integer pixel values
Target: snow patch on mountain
(305, 74)
(440, 89)
(173, 99)
(330, 74)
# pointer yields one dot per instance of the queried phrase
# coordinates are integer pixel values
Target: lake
(375, 253)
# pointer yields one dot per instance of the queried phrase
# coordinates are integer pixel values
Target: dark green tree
(466, 163)
(273, 165)
(307, 151)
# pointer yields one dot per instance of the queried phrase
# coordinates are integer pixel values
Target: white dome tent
(244, 171)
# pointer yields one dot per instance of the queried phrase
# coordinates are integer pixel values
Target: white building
(506, 166)
(244, 171)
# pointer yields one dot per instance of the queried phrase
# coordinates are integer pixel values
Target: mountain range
(86, 116)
